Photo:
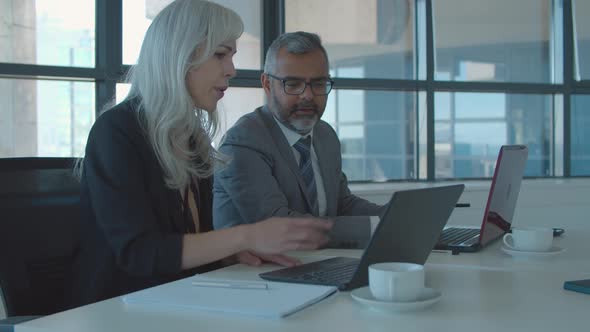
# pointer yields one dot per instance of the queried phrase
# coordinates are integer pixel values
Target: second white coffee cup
(529, 239)
(396, 282)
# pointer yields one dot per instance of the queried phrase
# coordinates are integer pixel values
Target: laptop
(500, 206)
(407, 232)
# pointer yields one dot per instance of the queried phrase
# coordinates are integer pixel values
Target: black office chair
(39, 234)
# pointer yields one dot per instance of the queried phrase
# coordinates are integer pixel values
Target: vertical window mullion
(568, 78)
(109, 31)
(273, 23)
(430, 157)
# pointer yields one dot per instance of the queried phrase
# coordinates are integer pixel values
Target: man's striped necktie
(303, 146)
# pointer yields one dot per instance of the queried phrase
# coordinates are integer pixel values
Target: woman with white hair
(146, 183)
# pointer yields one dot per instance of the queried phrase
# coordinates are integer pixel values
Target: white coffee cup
(529, 239)
(399, 282)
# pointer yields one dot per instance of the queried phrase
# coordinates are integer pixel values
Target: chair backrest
(39, 233)
(2, 305)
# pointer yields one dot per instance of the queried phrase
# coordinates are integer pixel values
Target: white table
(488, 291)
(485, 291)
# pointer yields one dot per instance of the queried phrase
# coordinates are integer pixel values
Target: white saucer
(520, 253)
(428, 297)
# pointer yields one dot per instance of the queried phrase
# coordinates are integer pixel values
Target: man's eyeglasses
(293, 86)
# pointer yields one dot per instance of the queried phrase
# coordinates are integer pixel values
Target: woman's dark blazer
(132, 224)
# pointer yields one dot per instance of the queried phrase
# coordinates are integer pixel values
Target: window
(408, 104)
(582, 39)
(471, 127)
(45, 118)
(500, 40)
(42, 32)
(580, 137)
(373, 37)
(122, 91)
(138, 14)
(376, 131)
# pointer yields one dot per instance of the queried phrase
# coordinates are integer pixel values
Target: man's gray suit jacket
(263, 180)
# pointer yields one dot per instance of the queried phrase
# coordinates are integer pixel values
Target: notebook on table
(500, 205)
(407, 233)
(253, 298)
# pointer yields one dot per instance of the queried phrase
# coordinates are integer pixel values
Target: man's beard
(301, 124)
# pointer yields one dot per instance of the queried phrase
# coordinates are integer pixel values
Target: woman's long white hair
(183, 35)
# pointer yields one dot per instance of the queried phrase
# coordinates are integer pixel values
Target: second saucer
(520, 253)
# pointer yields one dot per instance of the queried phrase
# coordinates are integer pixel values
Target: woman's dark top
(132, 224)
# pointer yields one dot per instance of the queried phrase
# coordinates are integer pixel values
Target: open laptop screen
(503, 192)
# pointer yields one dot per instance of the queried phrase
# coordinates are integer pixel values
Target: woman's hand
(278, 235)
(255, 259)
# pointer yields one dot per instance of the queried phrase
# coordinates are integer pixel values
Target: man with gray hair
(285, 161)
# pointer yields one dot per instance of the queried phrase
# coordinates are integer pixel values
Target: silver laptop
(407, 233)
(497, 216)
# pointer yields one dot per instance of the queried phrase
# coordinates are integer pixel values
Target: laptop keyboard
(334, 271)
(455, 236)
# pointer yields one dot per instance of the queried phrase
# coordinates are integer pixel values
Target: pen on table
(453, 252)
(234, 285)
(442, 251)
(463, 205)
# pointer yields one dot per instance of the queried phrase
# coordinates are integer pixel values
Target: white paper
(279, 300)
